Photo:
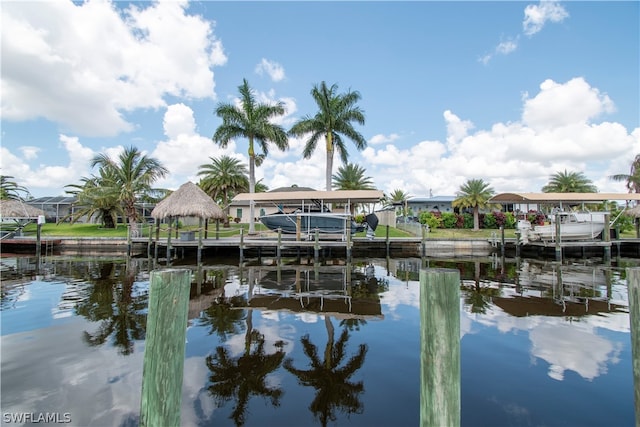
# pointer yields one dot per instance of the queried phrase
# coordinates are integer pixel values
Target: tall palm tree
(10, 190)
(132, 175)
(252, 121)
(569, 182)
(475, 193)
(633, 178)
(335, 118)
(222, 179)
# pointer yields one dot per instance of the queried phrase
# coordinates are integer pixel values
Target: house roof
(351, 196)
(561, 197)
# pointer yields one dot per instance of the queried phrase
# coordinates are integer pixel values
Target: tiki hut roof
(188, 200)
(18, 209)
(634, 211)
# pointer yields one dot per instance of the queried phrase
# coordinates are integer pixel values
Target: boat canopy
(561, 197)
(346, 196)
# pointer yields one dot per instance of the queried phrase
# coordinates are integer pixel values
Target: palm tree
(397, 197)
(93, 199)
(222, 179)
(10, 190)
(251, 120)
(475, 193)
(569, 182)
(333, 121)
(351, 177)
(633, 179)
(131, 176)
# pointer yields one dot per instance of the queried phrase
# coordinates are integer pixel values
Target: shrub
(449, 219)
(467, 220)
(430, 219)
(490, 220)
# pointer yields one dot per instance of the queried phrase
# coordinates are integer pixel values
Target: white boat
(573, 226)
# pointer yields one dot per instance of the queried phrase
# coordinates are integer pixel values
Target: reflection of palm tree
(112, 302)
(240, 378)
(479, 297)
(333, 389)
(223, 319)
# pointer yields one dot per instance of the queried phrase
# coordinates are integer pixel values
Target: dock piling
(440, 347)
(633, 284)
(165, 344)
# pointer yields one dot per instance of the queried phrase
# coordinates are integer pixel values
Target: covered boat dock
(563, 200)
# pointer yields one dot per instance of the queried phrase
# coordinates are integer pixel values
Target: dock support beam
(633, 284)
(439, 347)
(558, 239)
(387, 240)
(166, 332)
(606, 236)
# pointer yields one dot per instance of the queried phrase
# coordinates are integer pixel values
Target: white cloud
(84, 66)
(45, 177)
(557, 131)
(536, 16)
(185, 150)
(274, 70)
(381, 139)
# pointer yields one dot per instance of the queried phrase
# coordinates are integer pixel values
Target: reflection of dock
(561, 290)
(320, 289)
(523, 306)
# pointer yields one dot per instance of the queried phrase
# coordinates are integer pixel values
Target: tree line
(119, 184)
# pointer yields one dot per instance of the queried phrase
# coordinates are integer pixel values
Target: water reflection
(321, 344)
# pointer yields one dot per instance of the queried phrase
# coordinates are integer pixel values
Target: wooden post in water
(439, 347)
(387, 240)
(347, 230)
(278, 253)
(241, 245)
(157, 240)
(164, 347)
(199, 256)
(39, 238)
(316, 246)
(633, 286)
(606, 236)
(169, 243)
(558, 239)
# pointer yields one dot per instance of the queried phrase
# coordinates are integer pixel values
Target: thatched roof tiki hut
(18, 214)
(187, 201)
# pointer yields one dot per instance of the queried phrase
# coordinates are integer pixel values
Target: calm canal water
(542, 343)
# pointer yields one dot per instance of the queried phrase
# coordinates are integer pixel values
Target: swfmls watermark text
(36, 417)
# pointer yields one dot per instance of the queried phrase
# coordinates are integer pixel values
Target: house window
(239, 213)
(262, 213)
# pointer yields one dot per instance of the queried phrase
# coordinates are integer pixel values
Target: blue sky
(507, 92)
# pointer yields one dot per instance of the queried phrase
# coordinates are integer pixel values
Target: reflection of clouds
(98, 388)
(565, 345)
